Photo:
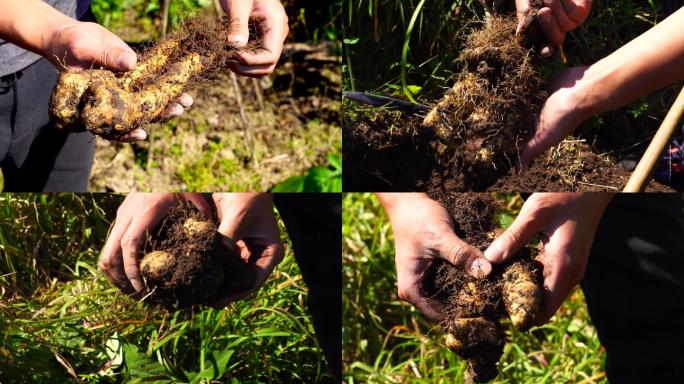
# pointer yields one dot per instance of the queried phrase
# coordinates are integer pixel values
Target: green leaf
(292, 184)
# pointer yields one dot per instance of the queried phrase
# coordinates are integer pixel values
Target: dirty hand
(561, 114)
(81, 45)
(556, 18)
(272, 16)
(138, 214)
(565, 223)
(249, 225)
(424, 231)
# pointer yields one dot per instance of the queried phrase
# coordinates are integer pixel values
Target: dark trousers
(33, 155)
(634, 286)
(314, 224)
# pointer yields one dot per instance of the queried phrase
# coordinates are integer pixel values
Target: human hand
(556, 18)
(80, 45)
(562, 113)
(424, 231)
(566, 223)
(250, 227)
(273, 19)
(139, 214)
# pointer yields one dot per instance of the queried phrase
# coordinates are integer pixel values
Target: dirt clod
(186, 262)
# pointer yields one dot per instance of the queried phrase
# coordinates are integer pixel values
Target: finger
(408, 290)
(185, 100)
(137, 134)
(136, 234)
(238, 12)
(464, 256)
(172, 110)
(523, 228)
(534, 147)
(577, 10)
(116, 58)
(199, 201)
(270, 50)
(550, 27)
(564, 22)
(111, 263)
(560, 277)
(266, 262)
(247, 71)
(522, 9)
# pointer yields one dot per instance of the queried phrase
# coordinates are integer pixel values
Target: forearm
(648, 63)
(30, 24)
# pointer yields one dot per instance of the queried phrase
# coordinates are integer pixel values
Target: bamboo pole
(644, 169)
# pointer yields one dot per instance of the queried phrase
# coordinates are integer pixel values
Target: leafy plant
(317, 179)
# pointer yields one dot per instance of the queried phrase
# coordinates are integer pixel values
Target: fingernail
(126, 60)
(237, 41)
(139, 134)
(545, 16)
(176, 110)
(186, 100)
(480, 267)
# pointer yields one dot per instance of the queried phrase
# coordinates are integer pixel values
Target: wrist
(392, 201)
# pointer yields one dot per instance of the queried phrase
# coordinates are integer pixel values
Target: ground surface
(386, 340)
(389, 151)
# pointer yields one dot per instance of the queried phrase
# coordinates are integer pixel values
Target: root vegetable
(473, 308)
(492, 106)
(521, 293)
(112, 105)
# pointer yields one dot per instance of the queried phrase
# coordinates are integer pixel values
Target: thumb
(512, 240)
(115, 58)
(534, 147)
(238, 12)
(464, 256)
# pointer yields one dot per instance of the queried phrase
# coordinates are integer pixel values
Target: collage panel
(170, 95)
(512, 96)
(511, 288)
(262, 308)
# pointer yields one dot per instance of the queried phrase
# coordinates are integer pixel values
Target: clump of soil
(113, 104)
(474, 308)
(493, 104)
(573, 167)
(386, 151)
(186, 262)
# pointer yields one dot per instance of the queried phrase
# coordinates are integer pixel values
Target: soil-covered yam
(473, 308)
(521, 291)
(112, 105)
(186, 262)
(492, 106)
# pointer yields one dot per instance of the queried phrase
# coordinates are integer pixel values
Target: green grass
(60, 319)
(386, 340)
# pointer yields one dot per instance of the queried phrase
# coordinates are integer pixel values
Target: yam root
(113, 104)
(186, 263)
(474, 308)
(493, 104)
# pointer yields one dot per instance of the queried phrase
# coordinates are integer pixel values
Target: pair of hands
(246, 220)
(79, 45)
(565, 222)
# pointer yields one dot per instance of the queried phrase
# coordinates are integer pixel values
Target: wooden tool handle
(642, 173)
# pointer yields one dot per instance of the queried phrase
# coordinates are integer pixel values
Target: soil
(387, 150)
(186, 262)
(473, 308)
